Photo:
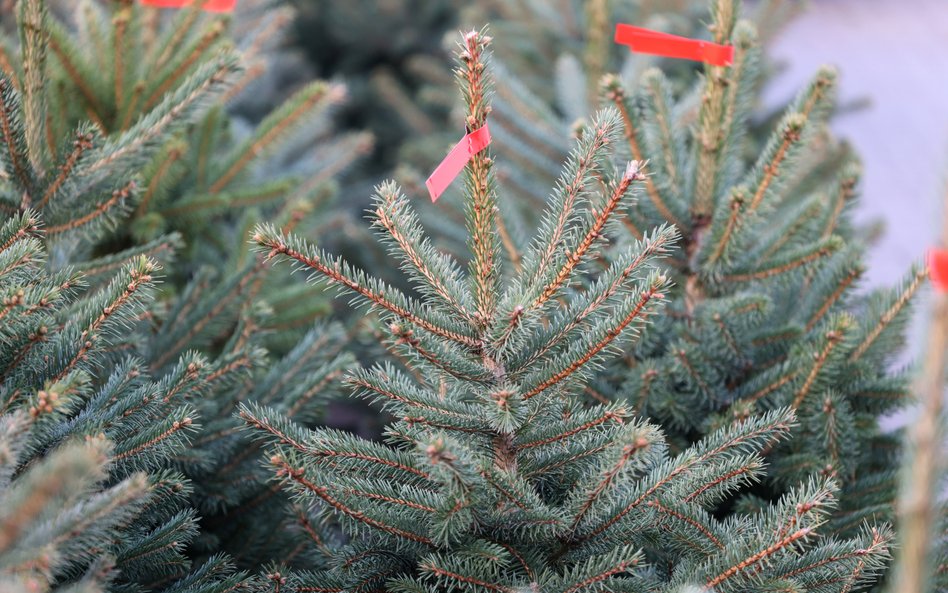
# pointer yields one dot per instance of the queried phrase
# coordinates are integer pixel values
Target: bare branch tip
(635, 171)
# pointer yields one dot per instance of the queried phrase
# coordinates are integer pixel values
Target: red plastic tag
(454, 163)
(657, 43)
(938, 268)
(208, 5)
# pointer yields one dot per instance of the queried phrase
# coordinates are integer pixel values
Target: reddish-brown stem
(163, 168)
(628, 452)
(637, 154)
(833, 338)
(216, 30)
(117, 197)
(594, 233)
(81, 145)
(685, 519)
(759, 556)
(258, 146)
(176, 426)
(17, 160)
(609, 416)
(138, 280)
(890, 315)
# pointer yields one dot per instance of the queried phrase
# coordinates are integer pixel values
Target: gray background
(894, 53)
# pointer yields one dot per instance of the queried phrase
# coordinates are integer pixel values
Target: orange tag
(454, 163)
(208, 5)
(657, 43)
(938, 268)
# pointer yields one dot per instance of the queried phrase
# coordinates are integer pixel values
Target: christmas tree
(921, 562)
(89, 493)
(764, 313)
(144, 162)
(496, 475)
(764, 310)
(704, 298)
(166, 107)
(552, 58)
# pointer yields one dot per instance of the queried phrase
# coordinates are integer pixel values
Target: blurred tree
(921, 563)
(119, 149)
(388, 51)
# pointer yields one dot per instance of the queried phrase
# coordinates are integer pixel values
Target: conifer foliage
(141, 151)
(495, 475)
(764, 314)
(130, 77)
(88, 494)
(765, 310)
(82, 181)
(81, 326)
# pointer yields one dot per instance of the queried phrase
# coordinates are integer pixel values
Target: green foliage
(390, 62)
(141, 112)
(552, 56)
(496, 475)
(243, 514)
(734, 444)
(144, 158)
(89, 498)
(764, 312)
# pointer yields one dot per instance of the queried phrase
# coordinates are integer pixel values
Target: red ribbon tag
(938, 268)
(454, 163)
(657, 43)
(208, 5)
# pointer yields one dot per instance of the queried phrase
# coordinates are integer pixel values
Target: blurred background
(891, 54)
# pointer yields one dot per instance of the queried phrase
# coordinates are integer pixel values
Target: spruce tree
(764, 313)
(128, 88)
(89, 496)
(552, 57)
(496, 475)
(921, 562)
(126, 145)
(765, 310)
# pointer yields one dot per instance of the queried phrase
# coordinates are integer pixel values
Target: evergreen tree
(552, 58)
(89, 496)
(146, 101)
(921, 562)
(137, 140)
(496, 476)
(764, 311)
